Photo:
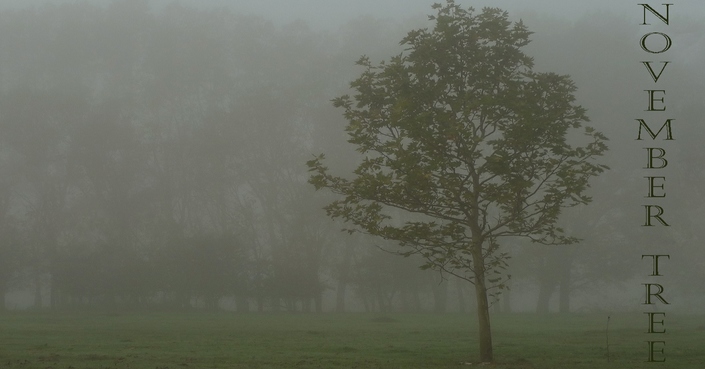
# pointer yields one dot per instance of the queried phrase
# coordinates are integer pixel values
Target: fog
(152, 156)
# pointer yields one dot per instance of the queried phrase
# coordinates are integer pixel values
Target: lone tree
(462, 144)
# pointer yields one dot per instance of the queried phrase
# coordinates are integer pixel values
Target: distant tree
(9, 250)
(9, 257)
(35, 123)
(207, 267)
(463, 144)
(385, 284)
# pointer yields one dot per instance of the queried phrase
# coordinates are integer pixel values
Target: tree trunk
(440, 295)
(564, 290)
(3, 292)
(340, 296)
(343, 277)
(483, 307)
(318, 303)
(546, 288)
(417, 301)
(564, 279)
(411, 301)
(380, 301)
(366, 303)
(38, 304)
(462, 307)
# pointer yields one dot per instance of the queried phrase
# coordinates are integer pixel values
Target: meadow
(221, 340)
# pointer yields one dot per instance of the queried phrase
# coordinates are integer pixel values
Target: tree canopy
(463, 143)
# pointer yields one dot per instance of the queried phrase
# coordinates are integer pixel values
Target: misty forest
(155, 159)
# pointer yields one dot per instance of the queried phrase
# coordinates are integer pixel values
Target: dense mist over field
(153, 156)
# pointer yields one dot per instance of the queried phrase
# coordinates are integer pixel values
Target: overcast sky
(330, 13)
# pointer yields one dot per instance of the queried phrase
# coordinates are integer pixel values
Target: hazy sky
(330, 13)
(326, 11)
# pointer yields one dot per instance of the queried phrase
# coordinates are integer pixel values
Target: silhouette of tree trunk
(440, 295)
(547, 285)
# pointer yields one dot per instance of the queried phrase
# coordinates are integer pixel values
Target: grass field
(172, 340)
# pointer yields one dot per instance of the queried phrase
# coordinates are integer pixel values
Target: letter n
(657, 14)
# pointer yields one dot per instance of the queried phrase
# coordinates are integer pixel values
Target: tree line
(157, 159)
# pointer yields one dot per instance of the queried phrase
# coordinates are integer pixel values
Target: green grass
(171, 341)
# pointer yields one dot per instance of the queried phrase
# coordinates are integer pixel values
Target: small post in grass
(607, 334)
